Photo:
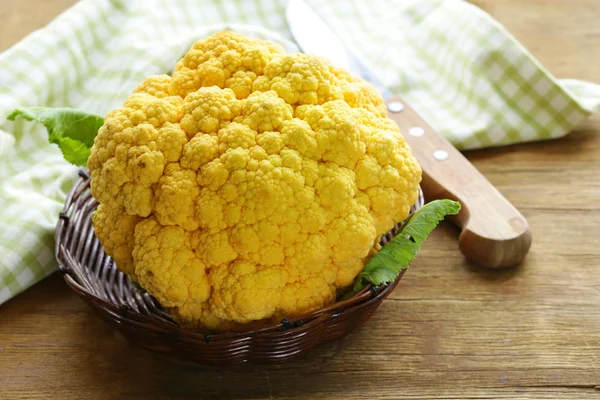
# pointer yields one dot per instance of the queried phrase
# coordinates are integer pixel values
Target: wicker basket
(93, 276)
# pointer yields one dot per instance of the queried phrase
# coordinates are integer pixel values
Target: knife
(493, 232)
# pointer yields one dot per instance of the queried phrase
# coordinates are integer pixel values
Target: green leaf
(71, 129)
(136, 285)
(397, 254)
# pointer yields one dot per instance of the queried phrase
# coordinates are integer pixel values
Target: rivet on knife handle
(494, 233)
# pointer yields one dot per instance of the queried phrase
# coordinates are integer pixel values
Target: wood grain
(449, 331)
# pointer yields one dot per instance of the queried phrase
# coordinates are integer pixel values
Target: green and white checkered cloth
(456, 65)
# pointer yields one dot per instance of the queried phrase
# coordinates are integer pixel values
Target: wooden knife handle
(494, 233)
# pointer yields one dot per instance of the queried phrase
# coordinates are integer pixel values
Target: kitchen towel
(456, 65)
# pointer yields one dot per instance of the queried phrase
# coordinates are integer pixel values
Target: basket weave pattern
(94, 277)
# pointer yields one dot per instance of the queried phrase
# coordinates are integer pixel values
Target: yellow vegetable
(250, 185)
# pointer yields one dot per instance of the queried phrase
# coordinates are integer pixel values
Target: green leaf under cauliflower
(397, 254)
(71, 129)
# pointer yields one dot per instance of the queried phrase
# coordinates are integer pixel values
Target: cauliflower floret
(167, 266)
(250, 185)
(157, 86)
(115, 230)
(225, 60)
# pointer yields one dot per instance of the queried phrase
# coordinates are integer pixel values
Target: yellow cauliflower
(250, 185)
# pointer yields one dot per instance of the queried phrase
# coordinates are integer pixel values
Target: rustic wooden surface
(449, 331)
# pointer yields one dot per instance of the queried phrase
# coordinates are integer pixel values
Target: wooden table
(449, 331)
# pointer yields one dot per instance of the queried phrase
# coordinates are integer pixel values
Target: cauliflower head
(250, 185)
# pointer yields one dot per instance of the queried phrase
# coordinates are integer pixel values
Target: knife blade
(493, 232)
